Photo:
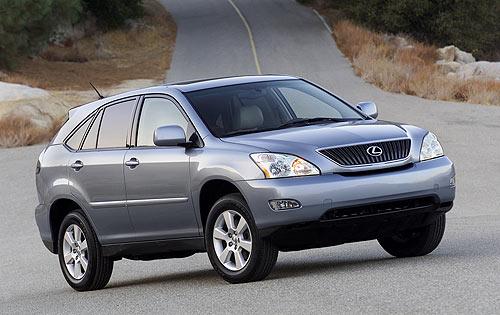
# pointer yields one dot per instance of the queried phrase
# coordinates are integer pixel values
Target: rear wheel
(80, 257)
(415, 242)
(234, 247)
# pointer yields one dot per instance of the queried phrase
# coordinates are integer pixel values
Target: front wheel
(233, 244)
(415, 242)
(80, 256)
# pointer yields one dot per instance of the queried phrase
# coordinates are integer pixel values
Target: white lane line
(250, 36)
(323, 21)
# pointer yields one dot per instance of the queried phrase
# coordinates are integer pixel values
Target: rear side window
(115, 124)
(91, 139)
(75, 140)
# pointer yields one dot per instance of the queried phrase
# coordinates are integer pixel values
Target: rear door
(157, 178)
(96, 170)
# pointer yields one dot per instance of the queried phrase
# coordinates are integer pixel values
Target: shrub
(408, 70)
(16, 131)
(26, 25)
(114, 13)
(471, 25)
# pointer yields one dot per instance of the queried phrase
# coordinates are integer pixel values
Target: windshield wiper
(237, 133)
(310, 121)
(244, 132)
(290, 123)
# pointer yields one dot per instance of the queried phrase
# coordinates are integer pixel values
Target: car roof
(78, 113)
(186, 86)
(190, 86)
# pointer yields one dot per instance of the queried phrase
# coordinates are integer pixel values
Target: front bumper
(318, 194)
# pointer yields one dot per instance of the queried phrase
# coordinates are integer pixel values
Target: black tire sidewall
(237, 204)
(77, 217)
(427, 241)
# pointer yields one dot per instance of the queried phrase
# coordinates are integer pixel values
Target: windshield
(263, 106)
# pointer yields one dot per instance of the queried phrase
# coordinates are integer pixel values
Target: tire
(415, 242)
(99, 268)
(254, 264)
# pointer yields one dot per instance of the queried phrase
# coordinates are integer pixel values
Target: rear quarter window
(90, 141)
(76, 139)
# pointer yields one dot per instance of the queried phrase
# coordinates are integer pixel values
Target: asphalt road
(461, 276)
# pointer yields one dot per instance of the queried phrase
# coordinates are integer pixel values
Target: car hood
(316, 136)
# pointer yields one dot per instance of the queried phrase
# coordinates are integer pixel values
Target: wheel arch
(58, 209)
(211, 191)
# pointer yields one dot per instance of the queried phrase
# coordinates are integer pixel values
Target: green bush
(471, 25)
(26, 25)
(113, 13)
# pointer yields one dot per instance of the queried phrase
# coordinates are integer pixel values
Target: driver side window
(157, 112)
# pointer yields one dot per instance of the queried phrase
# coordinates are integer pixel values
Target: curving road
(461, 276)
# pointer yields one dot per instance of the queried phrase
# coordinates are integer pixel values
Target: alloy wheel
(232, 240)
(75, 252)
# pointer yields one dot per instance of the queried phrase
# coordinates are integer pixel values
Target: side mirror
(171, 135)
(369, 108)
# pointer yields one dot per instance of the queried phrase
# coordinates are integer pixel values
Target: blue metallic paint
(228, 159)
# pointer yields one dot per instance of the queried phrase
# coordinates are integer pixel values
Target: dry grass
(105, 59)
(16, 131)
(407, 70)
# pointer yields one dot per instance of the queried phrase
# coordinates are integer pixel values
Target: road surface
(461, 276)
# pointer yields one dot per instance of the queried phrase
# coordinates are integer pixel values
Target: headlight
(431, 148)
(283, 165)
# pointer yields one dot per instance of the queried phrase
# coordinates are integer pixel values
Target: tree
(472, 25)
(26, 25)
(113, 13)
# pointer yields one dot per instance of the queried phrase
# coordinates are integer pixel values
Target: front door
(157, 178)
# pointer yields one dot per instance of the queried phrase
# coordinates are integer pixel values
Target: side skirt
(158, 249)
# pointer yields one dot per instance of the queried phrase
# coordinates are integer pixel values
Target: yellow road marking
(250, 36)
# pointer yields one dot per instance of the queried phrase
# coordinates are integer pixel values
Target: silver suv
(238, 167)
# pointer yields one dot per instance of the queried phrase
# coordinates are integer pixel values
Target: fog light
(284, 204)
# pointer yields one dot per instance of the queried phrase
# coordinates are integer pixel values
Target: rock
(3, 76)
(483, 70)
(397, 41)
(448, 66)
(463, 57)
(408, 47)
(14, 92)
(452, 53)
(446, 53)
(136, 25)
(67, 33)
(34, 114)
(100, 51)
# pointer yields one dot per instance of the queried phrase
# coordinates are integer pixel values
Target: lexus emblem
(374, 150)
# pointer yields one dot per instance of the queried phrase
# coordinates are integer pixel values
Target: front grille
(380, 208)
(358, 155)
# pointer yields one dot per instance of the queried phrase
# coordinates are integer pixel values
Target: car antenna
(100, 95)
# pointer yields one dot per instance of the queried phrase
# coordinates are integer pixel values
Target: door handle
(77, 165)
(132, 163)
